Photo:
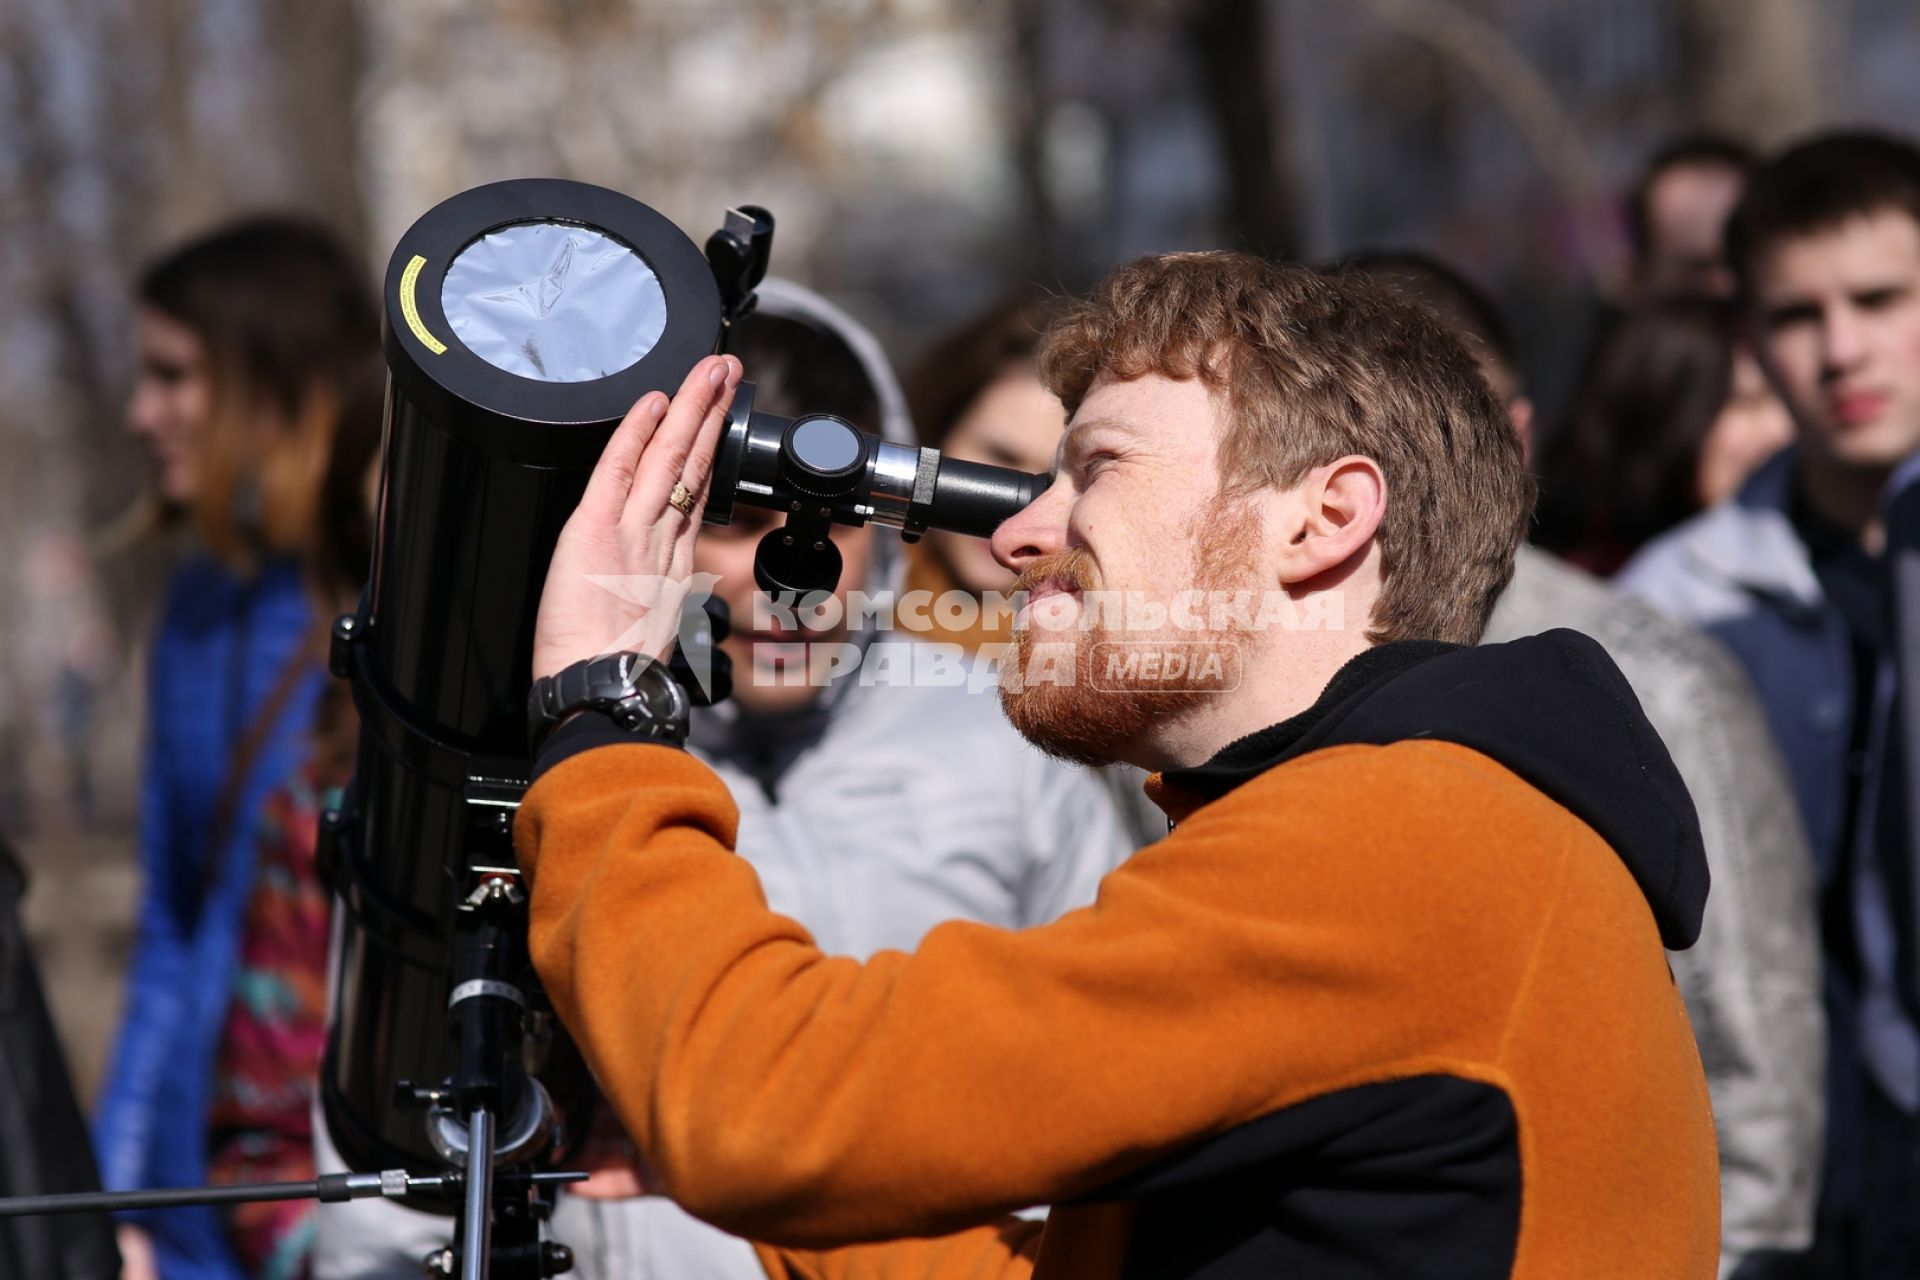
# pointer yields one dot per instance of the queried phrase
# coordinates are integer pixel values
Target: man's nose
(1037, 531)
(1844, 344)
(141, 412)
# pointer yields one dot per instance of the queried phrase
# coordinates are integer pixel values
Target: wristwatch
(631, 689)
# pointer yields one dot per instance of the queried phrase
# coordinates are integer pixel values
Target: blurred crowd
(1724, 505)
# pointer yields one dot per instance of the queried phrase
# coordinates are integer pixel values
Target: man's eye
(1791, 316)
(1879, 299)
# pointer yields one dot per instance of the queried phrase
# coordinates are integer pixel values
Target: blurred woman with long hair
(267, 1063)
(1672, 415)
(248, 338)
(976, 396)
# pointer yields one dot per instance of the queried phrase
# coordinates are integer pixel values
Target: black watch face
(658, 700)
(629, 669)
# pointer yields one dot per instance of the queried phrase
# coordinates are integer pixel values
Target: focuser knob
(824, 456)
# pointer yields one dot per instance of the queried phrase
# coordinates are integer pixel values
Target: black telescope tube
(976, 498)
(484, 457)
(480, 467)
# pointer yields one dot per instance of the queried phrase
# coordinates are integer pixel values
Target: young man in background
(1752, 981)
(1792, 574)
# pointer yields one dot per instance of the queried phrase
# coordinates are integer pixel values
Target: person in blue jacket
(247, 338)
(1796, 573)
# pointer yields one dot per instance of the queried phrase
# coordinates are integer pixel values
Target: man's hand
(619, 1171)
(620, 570)
(137, 1261)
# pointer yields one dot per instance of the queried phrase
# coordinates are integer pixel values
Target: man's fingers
(698, 468)
(698, 411)
(610, 1184)
(698, 478)
(612, 478)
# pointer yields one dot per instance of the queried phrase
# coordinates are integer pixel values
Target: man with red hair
(1390, 999)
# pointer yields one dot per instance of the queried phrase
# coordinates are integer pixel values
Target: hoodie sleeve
(812, 1101)
(1003, 1250)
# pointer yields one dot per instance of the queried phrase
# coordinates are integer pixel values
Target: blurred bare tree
(1755, 68)
(131, 123)
(124, 125)
(136, 151)
(1475, 47)
(1234, 44)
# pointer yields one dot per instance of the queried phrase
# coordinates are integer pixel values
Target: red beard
(1052, 685)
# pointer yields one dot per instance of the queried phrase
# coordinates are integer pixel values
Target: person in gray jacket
(1793, 575)
(1752, 981)
(879, 793)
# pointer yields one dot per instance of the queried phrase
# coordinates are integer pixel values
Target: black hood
(1553, 708)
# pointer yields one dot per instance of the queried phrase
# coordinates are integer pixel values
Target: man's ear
(1520, 412)
(1331, 517)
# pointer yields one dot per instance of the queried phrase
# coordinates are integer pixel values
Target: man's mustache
(1073, 566)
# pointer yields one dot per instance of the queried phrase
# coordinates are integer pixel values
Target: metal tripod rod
(165, 1198)
(477, 1238)
(329, 1188)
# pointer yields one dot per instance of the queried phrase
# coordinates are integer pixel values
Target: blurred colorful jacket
(223, 648)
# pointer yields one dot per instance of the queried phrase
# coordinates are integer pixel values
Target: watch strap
(635, 692)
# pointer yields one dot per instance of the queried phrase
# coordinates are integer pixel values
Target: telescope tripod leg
(476, 1222)
(497, 1237)
(491, 1110)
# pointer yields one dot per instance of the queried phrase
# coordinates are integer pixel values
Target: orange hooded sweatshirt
(1390, 1000)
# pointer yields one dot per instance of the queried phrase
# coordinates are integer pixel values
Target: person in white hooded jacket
(880, 788)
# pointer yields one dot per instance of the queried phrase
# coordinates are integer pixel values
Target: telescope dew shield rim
(479, 403)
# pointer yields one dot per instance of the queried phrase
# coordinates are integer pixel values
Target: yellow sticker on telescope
(408, 279)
